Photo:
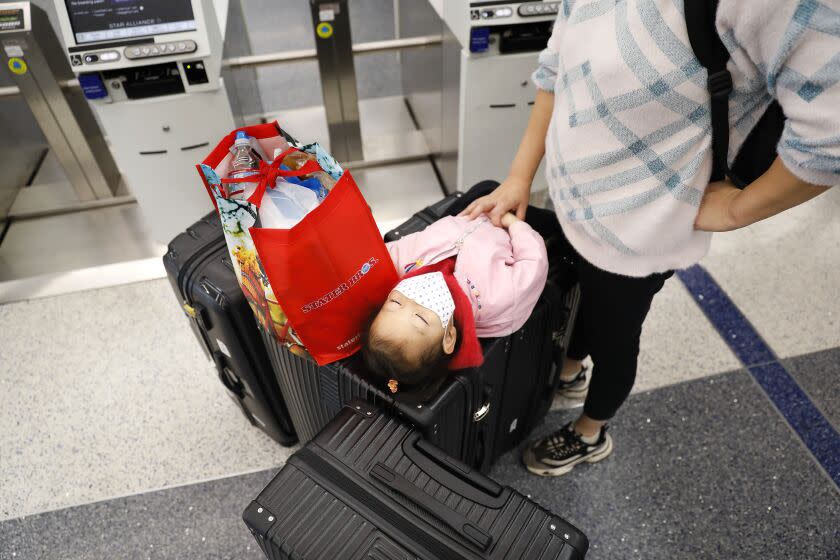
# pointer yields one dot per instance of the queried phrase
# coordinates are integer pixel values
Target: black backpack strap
(712, 53)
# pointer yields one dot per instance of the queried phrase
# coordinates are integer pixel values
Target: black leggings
(609, 322)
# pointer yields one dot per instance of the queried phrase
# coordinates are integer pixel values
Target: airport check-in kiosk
(32, 58)
(473, 96)
(151, 71)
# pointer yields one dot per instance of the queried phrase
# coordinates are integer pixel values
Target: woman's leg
(615, 308)
(609, 327)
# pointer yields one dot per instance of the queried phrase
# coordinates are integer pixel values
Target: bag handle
(457, 522)
(464, 481)
(270, 172)
(712, 54)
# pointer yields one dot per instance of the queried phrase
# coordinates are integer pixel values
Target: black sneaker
(558, 453)
(576, 388)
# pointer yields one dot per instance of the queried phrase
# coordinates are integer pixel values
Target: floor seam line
(149, 491)
(788, 425)
(695, 279)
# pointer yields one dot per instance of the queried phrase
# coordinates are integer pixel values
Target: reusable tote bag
(323, 277)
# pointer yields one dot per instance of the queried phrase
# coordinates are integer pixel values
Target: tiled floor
(107, 393)
(195, 521)
(819, 375)
(702, 469)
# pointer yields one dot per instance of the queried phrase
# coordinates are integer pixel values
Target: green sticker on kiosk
(325, 30)
(18, 66)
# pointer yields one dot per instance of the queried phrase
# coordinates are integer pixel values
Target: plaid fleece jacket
(628, 152)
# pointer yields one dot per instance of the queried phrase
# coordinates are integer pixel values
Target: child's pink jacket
(502, 272)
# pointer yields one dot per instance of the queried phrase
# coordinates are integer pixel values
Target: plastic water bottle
(245, 163)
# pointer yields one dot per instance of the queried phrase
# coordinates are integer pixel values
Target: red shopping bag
(325, 276)
(330, 272)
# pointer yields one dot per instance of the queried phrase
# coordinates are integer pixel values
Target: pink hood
(502, 272)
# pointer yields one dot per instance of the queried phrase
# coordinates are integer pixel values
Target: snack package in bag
(315, 283)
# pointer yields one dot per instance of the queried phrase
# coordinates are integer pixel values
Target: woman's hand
(725, 208)
(716, 208)
(511, 196)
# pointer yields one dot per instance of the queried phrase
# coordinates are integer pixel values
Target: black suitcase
(202, 276)
(516, 408)
(369, 487)
(315, 394)
(424, 217)
(480, 414)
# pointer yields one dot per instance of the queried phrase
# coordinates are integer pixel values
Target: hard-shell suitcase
(202, 276)
(480, 414)
(519, 389)
(370, 487)
(451, 419)
(424, 217)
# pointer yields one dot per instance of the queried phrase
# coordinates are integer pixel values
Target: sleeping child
(460, 279)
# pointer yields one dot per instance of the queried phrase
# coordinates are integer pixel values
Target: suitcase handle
(468, 483)
(227, 376)
(453, 519)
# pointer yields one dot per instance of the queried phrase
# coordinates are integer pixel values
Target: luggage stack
(479, 414)
(202, 277)
(385, 476)
(370, 486)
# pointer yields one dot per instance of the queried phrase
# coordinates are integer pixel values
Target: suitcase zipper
(190, 267)
(193, 264)
(332, 477)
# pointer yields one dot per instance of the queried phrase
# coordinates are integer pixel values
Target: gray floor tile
(195, 522)
(678, 342)
(75, 241)
(703, 469)
(107, 393)
(818, 375)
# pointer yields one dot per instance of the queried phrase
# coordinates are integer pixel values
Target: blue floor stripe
(821, 438)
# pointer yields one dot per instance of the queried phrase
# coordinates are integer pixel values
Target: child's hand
(509, 219)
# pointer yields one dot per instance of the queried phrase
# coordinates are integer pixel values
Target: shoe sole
(565, 469)
(575, 394)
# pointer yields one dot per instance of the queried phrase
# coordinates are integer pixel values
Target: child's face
(414, 327)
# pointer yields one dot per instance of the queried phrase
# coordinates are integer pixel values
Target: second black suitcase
(369, 487)
(477, 415)
(315, 394)
(202, 276)
(520, 390)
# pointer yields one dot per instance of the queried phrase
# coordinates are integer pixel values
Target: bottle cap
(242, 138)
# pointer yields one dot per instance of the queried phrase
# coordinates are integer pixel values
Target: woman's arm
(725, 208)
(532, 148)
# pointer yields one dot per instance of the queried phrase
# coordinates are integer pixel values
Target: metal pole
(334, 44)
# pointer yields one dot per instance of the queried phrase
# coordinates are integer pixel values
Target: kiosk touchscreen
(111, 21)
